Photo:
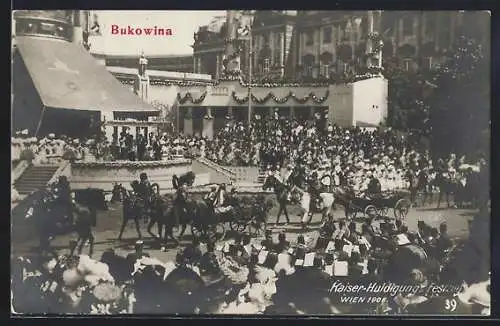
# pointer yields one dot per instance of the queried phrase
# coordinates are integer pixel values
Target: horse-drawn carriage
(379, 205)
(249, 214)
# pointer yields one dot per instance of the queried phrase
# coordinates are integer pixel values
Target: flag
(244, 24)
(243, 31)
(95, 27)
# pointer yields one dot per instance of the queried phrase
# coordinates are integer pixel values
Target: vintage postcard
(275, 162)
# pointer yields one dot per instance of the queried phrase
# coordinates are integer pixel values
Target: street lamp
(248, 29)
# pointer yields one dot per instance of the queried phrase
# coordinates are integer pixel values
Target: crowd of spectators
(260, 276)
(350, 155)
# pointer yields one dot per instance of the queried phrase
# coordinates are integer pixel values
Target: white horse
(304, 199)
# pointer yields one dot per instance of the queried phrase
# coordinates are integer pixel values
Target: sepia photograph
(250, 162)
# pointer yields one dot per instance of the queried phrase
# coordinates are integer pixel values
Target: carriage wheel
(401, 208)
(237, 226)
(371, 211)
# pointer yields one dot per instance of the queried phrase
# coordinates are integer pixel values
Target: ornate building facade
(315, 44)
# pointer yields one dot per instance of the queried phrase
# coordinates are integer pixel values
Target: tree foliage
(450, 104)
(461, 102)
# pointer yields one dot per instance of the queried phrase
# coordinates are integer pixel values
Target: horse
(86, 217)
(346, 197)
(41, 210)
(162, 214)
(199, 214)
(187, 178)
(281, 191)
(418, 183)
(118, 193)
(50, 217)
(447, 184)
(133, 208)
(179, 210)
(326, 203)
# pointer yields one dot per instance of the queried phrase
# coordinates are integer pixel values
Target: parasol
(107, 292)
(474, 168)
(185, 281)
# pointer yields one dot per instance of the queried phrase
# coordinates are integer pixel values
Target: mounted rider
(286, 178)
(314, 189)
(144, 190)
(220, 203)
(374, 188)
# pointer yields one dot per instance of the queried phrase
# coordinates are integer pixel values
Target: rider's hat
(143, 176)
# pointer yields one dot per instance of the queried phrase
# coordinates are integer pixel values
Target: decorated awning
(68, 77)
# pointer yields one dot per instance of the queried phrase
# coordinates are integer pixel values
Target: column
(199, 65)
(195, 66)
(311, 114)
(108, 131)
(292, 112)
(77, 28)
(217, 66)
(188, 122)
(282, 55)
(369, 43)
(146, 135)
(208, 124)
(229, 116)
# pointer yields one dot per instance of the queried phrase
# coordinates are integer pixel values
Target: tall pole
(250, 76)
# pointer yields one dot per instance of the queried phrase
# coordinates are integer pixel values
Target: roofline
(133, 56)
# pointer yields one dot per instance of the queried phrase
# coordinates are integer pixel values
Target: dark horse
(281, 191)
(179, 212)
(132, 209)
(161, 214)
(447, 185)
(185, 179)
(49, 217)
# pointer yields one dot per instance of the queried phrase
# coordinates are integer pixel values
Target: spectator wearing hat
(268, 241)
(138, 254)
(283, 245)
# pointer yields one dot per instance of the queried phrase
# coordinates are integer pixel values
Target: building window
(325, 71)
(266, 65)
(308, 71)
(427, 63)
(277, 57)
(278, 41)
(310, 38)
(327, 35)
(408, 26)
(407, 64)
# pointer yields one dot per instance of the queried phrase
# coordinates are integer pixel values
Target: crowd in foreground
(243, 275)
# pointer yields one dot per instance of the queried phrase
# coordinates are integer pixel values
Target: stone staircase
(34, 178)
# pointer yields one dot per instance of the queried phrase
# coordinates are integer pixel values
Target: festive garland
(132, 165)
(282, 100)
(189, 97)
(171, 83)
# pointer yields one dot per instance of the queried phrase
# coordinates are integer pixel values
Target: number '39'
(450, 305)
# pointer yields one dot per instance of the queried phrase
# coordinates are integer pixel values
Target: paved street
(108, 226)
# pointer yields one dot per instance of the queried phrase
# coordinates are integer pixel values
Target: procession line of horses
(448, 185)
